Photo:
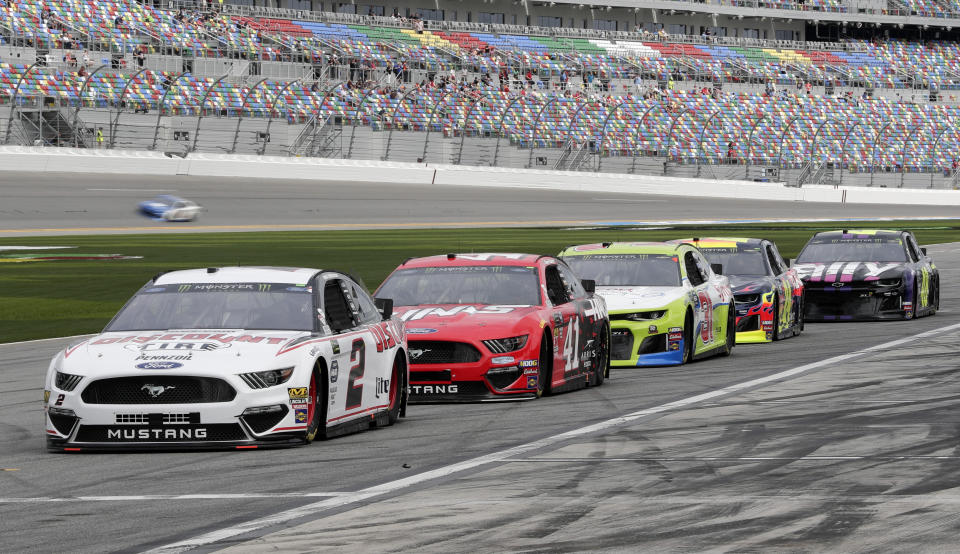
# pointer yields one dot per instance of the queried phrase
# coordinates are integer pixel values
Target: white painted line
(460, 467)
(133, 190)
(141, 498)
(44, 340)
(735, 459)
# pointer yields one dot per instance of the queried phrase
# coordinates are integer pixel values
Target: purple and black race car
(867, 274)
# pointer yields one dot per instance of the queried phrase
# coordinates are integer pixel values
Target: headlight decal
(509, 344)
(268, 378)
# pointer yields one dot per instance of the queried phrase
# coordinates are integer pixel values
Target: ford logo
(420, 331)
(159, 365)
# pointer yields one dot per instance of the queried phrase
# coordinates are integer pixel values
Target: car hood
(178, 352)
(849, 271)
(639, 298)
(754, 284)
(432, 321)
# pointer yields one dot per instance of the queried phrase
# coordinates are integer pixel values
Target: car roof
(239, 274)
(719, 242)
(475, 259)
(860, 233)
(622, 248)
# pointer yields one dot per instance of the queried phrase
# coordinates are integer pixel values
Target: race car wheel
(396, 387)
(731, 332)
(546, 366)
(315, 410)
(688, 338)
(601, 363)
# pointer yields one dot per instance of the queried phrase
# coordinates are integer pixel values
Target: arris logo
(159, 365)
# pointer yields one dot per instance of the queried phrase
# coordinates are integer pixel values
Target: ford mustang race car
(498, 326)
(867, 274)
(667, 305)
(170, 208)
(767, 294)
(235, 356)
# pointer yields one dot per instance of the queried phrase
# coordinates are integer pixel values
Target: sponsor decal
(529, 363)
(196, 342)
(60, 398)
(676, 329)
(674, 336)
(434, 389)
(420, 331)
(180, 433)
(336, 347)
(164, 357)
(416, 314)
(334, 371)
(674, 346)
(300, 415)
(159, 365)
(299, 289)
(46, 397)
(532, 382)
(298, 394)
(156, 289)
(531, 371)
(156, 390)
(383, 387)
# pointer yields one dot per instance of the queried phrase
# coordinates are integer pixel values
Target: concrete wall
(17, 158)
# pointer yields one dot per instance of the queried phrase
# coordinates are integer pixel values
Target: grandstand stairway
(50, 127)
(320, 138)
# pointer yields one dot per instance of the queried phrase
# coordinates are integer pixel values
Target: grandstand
(634, 96)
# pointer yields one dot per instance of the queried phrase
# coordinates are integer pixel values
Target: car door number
(357, 362)
(571, 344)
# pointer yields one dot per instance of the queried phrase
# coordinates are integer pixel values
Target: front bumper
(474, 382)
(857, 303)
(252, 419)
(633, 345)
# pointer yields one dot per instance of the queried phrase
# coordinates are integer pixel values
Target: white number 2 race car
(237, 357)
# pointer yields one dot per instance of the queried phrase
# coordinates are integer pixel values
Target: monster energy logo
(183, 288)
(264, 287)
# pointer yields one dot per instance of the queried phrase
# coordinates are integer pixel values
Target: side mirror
(717, 268)
(589, 285)
(385, 307)
(924, 250)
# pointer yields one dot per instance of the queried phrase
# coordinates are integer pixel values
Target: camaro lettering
(434, 389)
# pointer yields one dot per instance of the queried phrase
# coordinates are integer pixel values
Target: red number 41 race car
(498, 326)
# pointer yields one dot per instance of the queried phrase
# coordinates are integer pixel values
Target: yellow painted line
(10, 469)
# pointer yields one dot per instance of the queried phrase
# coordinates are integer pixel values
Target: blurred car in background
(170, 208)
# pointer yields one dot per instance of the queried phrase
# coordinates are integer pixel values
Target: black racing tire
(601, 361)
(935, 302)
(775, 336)
(396, 395)
(316, 426)
(688, 339)
(546, 365)
(731, 332)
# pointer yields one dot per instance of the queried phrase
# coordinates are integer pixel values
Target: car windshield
(263, 306)
(512, 285)
(864, 248)
(613, 270)
(740, 261)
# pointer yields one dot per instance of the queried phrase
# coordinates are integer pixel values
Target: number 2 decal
(357, 362)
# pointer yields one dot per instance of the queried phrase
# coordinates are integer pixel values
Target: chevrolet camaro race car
(498, 326)
(667, 305)
(170, 208)
(767, 293)
(867, 274)
(234, 356)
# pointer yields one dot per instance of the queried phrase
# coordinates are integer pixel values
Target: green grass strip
(41, 299)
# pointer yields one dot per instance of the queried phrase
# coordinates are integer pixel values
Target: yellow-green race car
(667, 305)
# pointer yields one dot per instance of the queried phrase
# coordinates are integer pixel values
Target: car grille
(146, 390)
(157, 419)
(173, 433)
(748, 323)
(621, 344)
(441, 352)
(263, 422)
(418, 376)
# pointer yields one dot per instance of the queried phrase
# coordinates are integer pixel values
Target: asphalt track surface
(855, 452)
(60, 204)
